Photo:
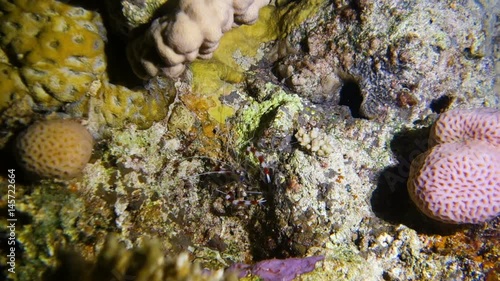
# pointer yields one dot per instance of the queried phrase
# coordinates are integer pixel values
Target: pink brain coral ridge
(466, 124)
(458, 180)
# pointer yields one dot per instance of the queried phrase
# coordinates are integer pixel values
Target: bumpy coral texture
(465, 124)
(58, 48)
(458, 180)
(55, 148)
(52, 59)
(314, 141)
(193, 32)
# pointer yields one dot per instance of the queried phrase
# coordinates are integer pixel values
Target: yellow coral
(59, 48)
(52, 55)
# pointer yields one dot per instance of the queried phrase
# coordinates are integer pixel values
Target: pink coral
(463, 124)
(458, 180)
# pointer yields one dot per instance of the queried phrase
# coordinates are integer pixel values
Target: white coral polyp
(193, 32)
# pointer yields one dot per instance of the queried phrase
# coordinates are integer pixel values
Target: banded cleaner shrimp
(234, 169)
(238, 181)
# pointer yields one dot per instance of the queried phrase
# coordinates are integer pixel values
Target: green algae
(254, 114)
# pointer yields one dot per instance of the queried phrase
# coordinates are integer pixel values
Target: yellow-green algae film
(248, 119)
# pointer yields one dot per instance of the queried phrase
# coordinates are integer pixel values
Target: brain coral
(54, 148)
(192, 32)
(458, 180)
(463, 124)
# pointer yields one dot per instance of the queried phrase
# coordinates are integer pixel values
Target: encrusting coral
(458, 180)
(55, 148)
(194, 31)
(52, 58)
(143, 263)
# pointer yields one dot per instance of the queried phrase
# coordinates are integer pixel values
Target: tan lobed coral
(55, 148)
(144, 263)
(194, 31)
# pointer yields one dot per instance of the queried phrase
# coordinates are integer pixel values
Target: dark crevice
(441, 104)
(350, 96)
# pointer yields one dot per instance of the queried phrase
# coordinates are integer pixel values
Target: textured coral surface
(53, 59)
(467, 124)
(55, 148)
(457, 182)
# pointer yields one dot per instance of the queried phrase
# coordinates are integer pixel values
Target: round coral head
(54, 149)
(457, 182)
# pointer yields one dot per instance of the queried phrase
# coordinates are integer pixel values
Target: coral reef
(275, 269)
(224, 176)
(126, 15)
(59, 49)
(53, 60)
(193, 30)
(482, 124)
(314, 141)
(55, 148)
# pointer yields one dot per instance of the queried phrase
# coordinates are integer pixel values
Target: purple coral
(278, 270)
(458, 180)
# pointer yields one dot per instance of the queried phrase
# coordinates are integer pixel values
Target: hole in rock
(350, 96)
(441, 104)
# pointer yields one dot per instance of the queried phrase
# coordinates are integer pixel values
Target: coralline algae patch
(475, 244)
